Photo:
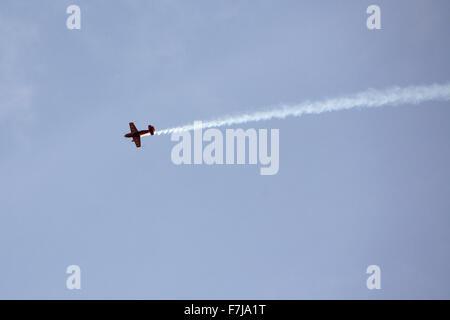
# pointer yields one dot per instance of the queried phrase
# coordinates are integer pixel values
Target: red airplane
(136, 135)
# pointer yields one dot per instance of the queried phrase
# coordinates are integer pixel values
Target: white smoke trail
(367, 99)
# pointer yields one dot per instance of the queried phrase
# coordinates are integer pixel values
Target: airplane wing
(137, 140)
(132, 127)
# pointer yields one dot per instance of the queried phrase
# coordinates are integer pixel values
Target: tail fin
(151, 129)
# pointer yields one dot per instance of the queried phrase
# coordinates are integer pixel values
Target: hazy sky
(354, 188)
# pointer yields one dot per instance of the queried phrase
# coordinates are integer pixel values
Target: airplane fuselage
(137, 134)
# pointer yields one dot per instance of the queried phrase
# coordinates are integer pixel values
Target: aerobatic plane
(136, 135)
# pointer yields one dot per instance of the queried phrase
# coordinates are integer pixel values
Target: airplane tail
(151, 129)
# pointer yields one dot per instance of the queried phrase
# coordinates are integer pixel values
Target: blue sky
(354, 188)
